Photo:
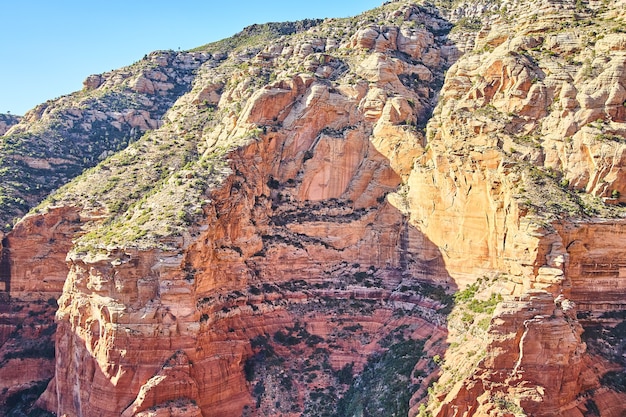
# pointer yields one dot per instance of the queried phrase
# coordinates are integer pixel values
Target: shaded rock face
(27, 332)
(6, 121)
(290, 234)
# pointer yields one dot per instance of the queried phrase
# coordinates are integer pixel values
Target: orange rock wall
(596, 269)
(335, 209)
(37, 248)
(303, 213)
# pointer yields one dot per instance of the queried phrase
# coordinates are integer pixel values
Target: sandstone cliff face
(287, 239)
(524, 152)
(157, 314)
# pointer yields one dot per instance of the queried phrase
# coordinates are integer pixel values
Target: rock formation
(416, 211)
(513, 174)
(6, 121)
(57, 140)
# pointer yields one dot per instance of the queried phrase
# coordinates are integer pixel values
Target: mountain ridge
(421, 197)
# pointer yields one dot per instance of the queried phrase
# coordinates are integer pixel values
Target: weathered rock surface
(6, 121)
(27, 364)
(287, 238)
(43, 241)
(535, 356)
(310, 165)
(519, 189)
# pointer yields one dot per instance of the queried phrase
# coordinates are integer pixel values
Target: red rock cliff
(289, 239)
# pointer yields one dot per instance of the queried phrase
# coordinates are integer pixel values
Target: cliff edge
(414, 211)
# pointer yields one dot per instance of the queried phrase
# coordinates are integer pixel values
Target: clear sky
(47, 48)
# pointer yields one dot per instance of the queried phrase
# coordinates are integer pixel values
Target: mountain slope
(57, 140)
(413, 211)
(6, 121)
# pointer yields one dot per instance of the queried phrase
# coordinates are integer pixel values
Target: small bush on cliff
(248, 369)
(286, 339)
(345, 374)
(20, 403)
(616, 380)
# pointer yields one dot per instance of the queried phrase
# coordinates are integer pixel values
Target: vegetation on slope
(258, 34)
(7, 120)
(385, 386)
(57, 140)
(154, 189)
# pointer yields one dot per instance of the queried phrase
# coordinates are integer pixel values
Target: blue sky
(47, 48)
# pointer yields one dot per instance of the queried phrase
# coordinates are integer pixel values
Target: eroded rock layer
(523, 170)
(416, 211)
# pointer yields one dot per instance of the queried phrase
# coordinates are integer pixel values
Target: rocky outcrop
(323, 225)
(534, 361)
(6, 121)
(595, 268)
(43, 241)
(57, 140)
(512, 174)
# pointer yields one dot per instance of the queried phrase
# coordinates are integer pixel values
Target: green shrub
(385, 383)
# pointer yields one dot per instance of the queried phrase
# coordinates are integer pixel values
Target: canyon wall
(383, 214)
(294, 263)
(523, 172)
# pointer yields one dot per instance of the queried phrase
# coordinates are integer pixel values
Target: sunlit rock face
(416, 210)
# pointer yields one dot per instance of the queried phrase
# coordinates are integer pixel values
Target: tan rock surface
(308, 204)
(515, 132)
